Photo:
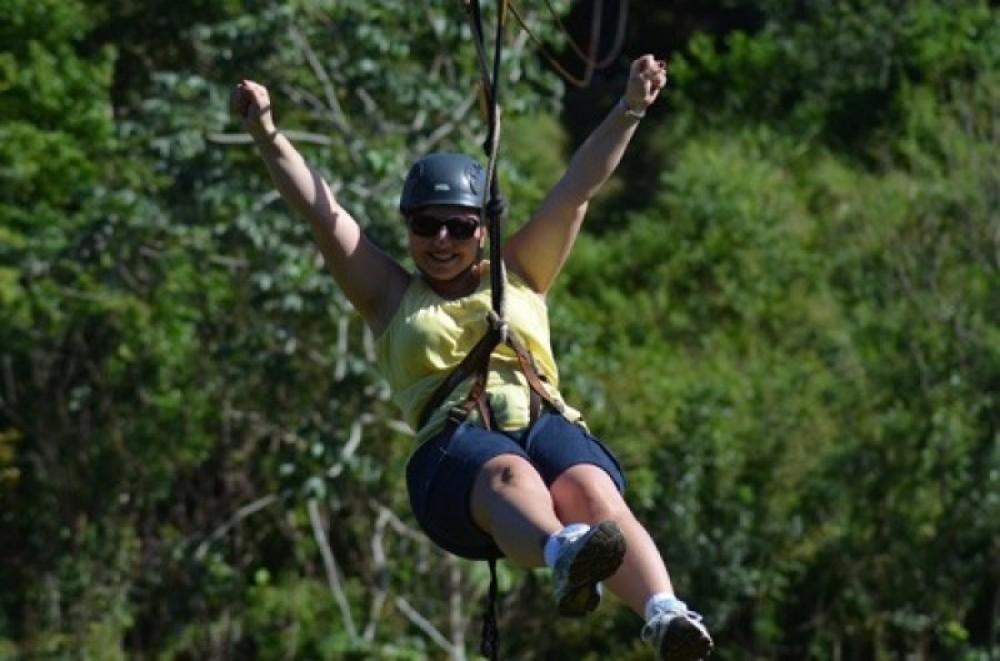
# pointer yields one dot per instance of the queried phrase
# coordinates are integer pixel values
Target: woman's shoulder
(519, 284)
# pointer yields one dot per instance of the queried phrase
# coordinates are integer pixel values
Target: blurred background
(784, 317)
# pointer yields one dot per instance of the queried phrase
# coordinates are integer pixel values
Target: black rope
(490, 635)
(494, 209)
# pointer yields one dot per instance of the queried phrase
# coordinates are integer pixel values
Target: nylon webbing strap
(535, 384)
(474, 362)
(477, 363)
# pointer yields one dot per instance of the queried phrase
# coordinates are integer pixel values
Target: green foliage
(835, 70)
(785, 327)
(803, 362)
(177, 362)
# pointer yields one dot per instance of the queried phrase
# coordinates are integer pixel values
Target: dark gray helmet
(444, 179)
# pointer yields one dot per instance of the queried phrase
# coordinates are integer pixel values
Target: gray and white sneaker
(581, 566)
(677, 634)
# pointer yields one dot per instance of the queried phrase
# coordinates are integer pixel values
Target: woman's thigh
(440, 476)
(554, 445)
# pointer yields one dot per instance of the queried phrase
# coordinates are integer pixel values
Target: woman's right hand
(251, 104)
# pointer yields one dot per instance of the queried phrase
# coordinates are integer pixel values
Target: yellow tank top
(429, 335)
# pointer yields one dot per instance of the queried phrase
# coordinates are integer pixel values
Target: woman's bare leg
(511, 504)
(587, 494)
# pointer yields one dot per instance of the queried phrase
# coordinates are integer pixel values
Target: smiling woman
(441, 203)
(503, 468)
(445, 244)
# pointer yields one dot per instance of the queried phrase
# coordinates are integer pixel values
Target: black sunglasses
(459, 227)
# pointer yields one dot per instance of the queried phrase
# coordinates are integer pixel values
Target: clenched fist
(647, 77)
(251, 103)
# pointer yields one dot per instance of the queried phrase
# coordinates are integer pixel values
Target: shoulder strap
(475, 362)
(527, 364)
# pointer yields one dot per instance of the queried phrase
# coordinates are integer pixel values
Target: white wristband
(629, 111)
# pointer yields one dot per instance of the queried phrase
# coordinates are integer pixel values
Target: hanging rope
(494, 207)
(489, 644)
(494, 210)
(589, 59)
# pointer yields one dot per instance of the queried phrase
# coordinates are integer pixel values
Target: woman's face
(444, 241)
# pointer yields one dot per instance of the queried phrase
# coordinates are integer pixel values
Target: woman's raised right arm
(370, 278)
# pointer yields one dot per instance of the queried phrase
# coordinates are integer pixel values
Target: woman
(498, 482)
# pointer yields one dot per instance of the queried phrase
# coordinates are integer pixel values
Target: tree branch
(330, 564)
(424, 625)
(241, 513)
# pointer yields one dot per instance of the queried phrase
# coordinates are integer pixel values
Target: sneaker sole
(685, 641)
(596, 561)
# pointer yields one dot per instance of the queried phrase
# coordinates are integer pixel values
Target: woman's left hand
(647, 77)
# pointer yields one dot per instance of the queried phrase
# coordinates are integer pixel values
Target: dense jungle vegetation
(784, 316)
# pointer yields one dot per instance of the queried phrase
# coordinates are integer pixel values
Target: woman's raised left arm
(539, 249)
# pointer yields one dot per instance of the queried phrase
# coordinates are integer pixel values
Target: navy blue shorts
(442, 471)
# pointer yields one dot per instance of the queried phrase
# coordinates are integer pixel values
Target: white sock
(556, 541)
(663, 601)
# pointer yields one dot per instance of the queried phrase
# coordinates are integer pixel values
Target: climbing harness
(476, 363)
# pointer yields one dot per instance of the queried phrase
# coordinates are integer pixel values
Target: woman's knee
(507, 471)
(587, 493)
(509, 498)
